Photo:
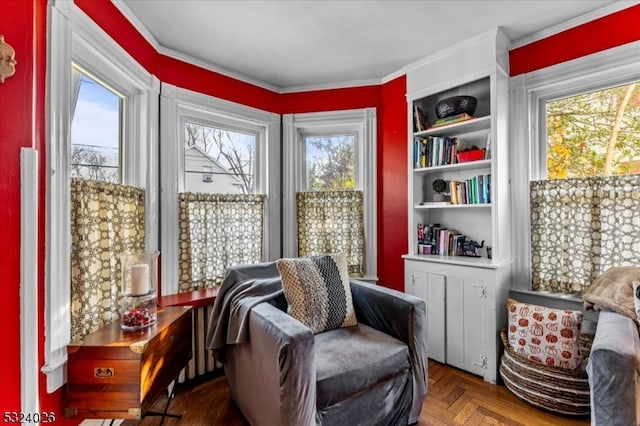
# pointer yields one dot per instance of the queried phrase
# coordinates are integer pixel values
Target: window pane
(218, 160)
(594, 134)
(96, 129)
(330, 162)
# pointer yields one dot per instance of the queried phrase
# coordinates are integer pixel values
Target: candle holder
(139, 305)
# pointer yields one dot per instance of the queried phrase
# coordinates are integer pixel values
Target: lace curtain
(332, 222)
(217, 231)
(107, 221)
(580, 228)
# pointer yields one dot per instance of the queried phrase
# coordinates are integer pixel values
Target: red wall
(22, 121)
(23, 25)
(600, 34)
(392, 183)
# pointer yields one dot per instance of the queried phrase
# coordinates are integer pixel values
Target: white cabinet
(465, 295)
(465, 312)
(430, 287)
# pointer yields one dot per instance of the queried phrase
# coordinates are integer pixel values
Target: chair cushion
(318, 292)
(351, 360)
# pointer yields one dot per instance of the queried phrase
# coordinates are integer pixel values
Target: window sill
(570, 298)
(196, 298)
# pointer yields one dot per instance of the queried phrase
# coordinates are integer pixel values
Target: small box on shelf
(470, 155)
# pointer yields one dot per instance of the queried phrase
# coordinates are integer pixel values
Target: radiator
(202, 362)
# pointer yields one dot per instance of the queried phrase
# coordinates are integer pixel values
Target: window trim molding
(528, 96)
(177, 105)
(363, 122)
(74, 37)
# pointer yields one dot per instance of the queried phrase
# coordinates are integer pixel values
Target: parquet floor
(454, 398)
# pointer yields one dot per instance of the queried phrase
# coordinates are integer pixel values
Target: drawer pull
(104, 372)
(172, 337)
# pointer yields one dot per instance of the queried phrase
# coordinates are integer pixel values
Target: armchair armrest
(395, 313)
(278, 368)
(614, 371)
(402, 316)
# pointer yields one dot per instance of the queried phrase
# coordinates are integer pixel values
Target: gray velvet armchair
(374, 373)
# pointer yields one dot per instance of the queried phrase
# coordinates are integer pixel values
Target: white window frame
(75, 38)
(529, 95)
(180, 105)
(362, 123)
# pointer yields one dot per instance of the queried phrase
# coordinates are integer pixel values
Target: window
(330, 162)
(330, 152)
(86, 65)
(583, 216)
(96, 129)
(575, 201)
(227, 154)
(220, 199)
(594, 134)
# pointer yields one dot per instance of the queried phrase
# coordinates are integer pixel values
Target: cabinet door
(475, 313)
(455, 321)
(430, 287)
(466, 305)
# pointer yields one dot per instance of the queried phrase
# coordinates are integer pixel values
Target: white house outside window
(220, 188)
(223, 158)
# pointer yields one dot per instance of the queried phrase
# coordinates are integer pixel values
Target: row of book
(434, 238)
(435, 151)
(475, 190)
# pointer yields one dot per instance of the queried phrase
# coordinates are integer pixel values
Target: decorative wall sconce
(7, 60)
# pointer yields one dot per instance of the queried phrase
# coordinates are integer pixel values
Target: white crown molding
(572, 23)
(392, 76)
(139, 26)
(330, 85)
(144, 32)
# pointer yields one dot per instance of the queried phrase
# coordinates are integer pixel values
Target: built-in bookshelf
(451, 177)
(459, 251)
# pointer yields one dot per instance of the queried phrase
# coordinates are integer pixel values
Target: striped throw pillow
(318, 292)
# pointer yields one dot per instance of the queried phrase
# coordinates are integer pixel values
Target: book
(420, 122)
(453, 119)
(458, 242)
(487, 148)
(453, 189)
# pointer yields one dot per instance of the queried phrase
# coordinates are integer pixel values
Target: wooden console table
(116, 374)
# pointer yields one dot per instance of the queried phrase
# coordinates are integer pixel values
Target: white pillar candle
(140, 279)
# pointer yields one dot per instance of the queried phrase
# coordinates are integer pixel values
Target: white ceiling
(293, 45)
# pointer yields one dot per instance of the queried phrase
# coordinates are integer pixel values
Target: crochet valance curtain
(217, 231)
(332, 222)
(107, 221)
(580, 228)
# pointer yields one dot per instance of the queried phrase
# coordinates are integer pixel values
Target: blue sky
(96, 117)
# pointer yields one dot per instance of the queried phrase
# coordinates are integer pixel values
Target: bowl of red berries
(137, 318)
(138, 312)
